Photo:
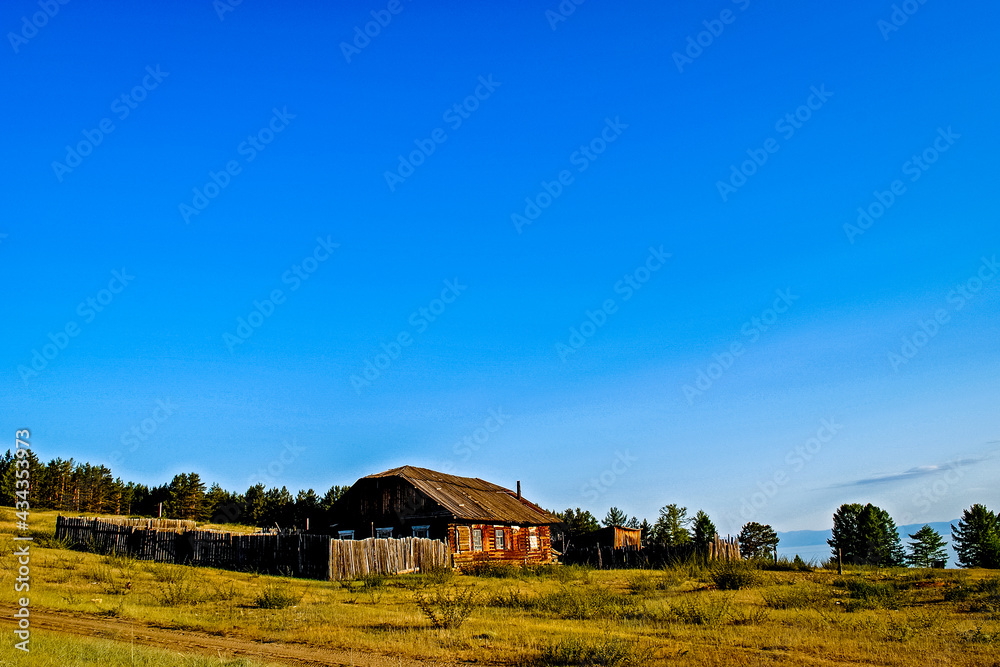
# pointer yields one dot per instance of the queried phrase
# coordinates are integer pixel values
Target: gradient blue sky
(495, 347)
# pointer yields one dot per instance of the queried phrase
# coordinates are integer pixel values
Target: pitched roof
(471, 498)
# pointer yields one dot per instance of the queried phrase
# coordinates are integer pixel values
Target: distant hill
(811, 544)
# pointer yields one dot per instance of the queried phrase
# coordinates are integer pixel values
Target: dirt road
(86, 625)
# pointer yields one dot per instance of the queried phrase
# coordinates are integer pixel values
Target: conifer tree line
(862, 534)
(68, 486)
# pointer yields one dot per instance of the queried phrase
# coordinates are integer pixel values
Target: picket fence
(352, 559)
(298, 554)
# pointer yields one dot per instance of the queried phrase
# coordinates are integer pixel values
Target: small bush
(643, 583)
(732, 575)
(276, 595)
(176, 586)
(979, 636)
(572, 603)
(448, 611)
(586, 653)
(872, 595)
(438, 575)
(697, 611)
(798, 596)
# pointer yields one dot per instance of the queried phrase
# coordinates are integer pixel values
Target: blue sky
(532, 224)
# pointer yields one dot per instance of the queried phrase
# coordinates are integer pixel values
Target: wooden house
(478, 520)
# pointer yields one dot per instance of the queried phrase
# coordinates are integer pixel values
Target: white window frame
(474, 532)
(499, 538)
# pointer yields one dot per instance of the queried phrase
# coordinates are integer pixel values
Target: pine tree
(927, 547)
(866, 534)
(578, 522)
(757, 540)
(333, 495)
(976, 539)
(670, 529)
(704, 531)
(615, 517)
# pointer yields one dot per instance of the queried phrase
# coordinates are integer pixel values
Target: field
(554, 615)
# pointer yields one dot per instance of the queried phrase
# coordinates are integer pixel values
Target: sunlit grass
(549, 614)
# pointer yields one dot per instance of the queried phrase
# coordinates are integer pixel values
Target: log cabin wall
(518, 545)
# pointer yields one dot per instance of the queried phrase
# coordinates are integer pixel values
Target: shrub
(797, 596)
(592, 652)
(572, 603)
(176, 586)
(276, 595)
(697, 611)
(438, 575)
(445, 611)
(732, 575)
(642, 583)
(872, 595)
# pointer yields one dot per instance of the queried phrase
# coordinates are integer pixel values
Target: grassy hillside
(552, 615)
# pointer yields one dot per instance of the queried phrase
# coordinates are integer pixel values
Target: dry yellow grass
(567, 616)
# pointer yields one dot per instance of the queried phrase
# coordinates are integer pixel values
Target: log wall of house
(517, 544)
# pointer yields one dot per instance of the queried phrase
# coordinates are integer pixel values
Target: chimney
(518, 489)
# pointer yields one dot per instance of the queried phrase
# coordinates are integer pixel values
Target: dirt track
(86, 625)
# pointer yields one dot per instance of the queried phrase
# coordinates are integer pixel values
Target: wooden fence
(607, 557)
(351, 559)
(302, 555)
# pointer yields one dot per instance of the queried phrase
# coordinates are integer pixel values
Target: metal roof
(471, 498)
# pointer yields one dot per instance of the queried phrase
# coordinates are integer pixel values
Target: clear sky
(556, 229)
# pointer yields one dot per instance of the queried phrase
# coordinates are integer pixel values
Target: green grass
(55, 650)
(543, 615)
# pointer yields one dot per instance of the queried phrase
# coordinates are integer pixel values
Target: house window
(383, 533)
(422, 531)
(532, 540)
(477, 539)
(345, 534)
(500, 539)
